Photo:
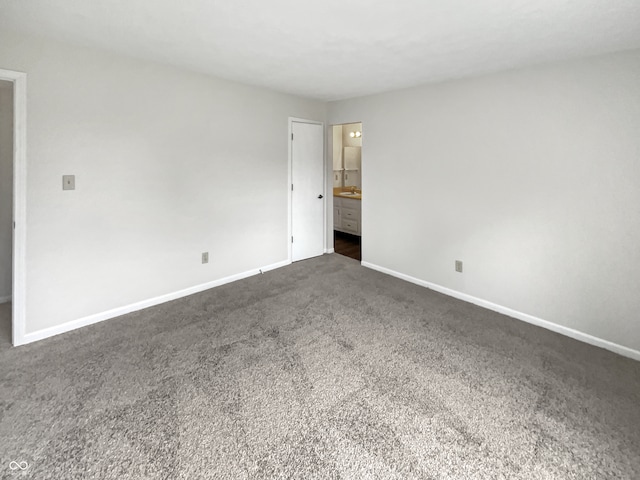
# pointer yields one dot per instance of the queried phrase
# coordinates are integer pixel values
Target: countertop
(338, 190)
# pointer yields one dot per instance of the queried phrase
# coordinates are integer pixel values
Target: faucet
(353, 189)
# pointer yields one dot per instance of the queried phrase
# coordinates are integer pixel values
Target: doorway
(13, 140)
(6, 210)
(346, 151)
(307, 189)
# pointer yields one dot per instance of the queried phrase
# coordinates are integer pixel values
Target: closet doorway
(6, 209)
(346, 150)
(13, 179)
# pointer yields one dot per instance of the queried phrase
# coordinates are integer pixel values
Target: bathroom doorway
(346, 151)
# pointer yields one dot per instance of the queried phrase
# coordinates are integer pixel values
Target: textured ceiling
(334, 49)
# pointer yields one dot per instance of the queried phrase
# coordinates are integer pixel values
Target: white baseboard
(525, 317)
(329, 250)
(5, 299)
(116, 312)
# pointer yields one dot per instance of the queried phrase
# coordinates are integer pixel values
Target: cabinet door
(350, 226)
(350, 214)
(337, 217)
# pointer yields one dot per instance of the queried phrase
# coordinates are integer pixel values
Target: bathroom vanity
(347, 211)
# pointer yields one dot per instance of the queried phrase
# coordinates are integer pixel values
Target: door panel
(307, 196)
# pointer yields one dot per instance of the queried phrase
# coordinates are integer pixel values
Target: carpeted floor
(5, 325)
(323, 369)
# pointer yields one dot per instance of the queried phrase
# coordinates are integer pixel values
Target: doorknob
(320, 196)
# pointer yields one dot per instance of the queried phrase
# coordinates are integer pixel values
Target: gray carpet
(322, 369)
(5, 325)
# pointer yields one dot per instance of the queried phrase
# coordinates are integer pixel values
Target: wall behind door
(6, 187)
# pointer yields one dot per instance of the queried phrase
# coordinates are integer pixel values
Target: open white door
(307, 190)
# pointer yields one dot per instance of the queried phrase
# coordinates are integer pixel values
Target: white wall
(531, 177)
(335, 141)
(6, 187)
(168, 164)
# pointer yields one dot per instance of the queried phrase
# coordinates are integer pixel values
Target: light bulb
(352, 134)
(358, 134)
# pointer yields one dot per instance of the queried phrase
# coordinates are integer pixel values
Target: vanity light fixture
(355, 134)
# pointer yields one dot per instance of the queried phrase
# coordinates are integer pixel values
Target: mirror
(347, 155)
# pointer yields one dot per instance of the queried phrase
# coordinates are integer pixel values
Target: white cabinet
(347, 215)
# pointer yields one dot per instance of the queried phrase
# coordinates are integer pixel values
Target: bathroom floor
(347, 245)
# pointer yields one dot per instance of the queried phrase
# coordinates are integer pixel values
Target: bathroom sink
(349, 194)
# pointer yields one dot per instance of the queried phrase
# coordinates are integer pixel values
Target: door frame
(19, 288)
(293, 120)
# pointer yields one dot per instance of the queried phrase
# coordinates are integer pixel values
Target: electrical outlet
(459, 266)
(205, 257)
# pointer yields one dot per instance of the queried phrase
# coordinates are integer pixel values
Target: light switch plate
(68, 182)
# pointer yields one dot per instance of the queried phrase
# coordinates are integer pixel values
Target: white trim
(329, 250)
(289, 180)
(19, 282)
(116, 312)
(5, 299)
(525, 317)
(290, 177)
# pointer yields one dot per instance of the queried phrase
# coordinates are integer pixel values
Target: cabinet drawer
(351, 203)
(349, 225)
(350, 214)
